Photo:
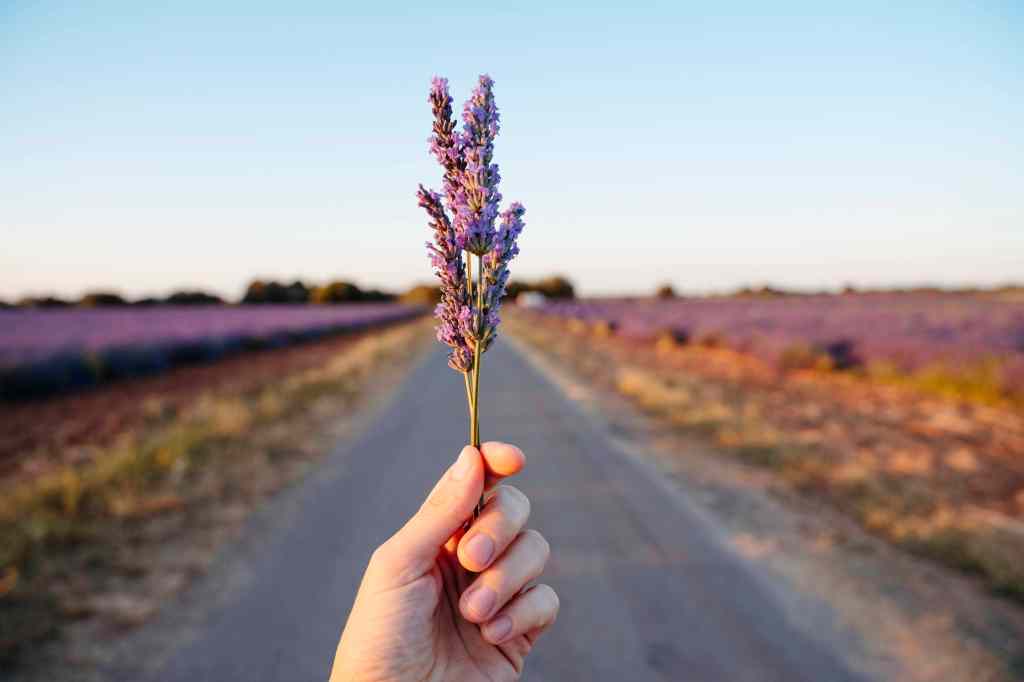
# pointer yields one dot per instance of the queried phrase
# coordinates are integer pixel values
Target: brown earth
(39, 436)
(939, 476)
(95, 543)
(724, 441)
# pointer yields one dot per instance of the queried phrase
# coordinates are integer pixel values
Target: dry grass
(67, 533)
(931, 470)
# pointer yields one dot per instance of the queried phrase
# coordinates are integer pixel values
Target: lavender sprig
(476, 205)
(453, 311)
(462, 220)
(495, 263)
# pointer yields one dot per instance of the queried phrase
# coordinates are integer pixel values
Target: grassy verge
(938, 476)
(75, 536)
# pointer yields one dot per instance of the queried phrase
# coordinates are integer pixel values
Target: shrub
(711, 339)
(43, 302)
(336, 292)
(552, 287)
(605, 328)
(259, 291)
(672, 337)
(422, 294)
(193, 298)
(801, 356)
(842, 354)
(101, 298)
(665, 291)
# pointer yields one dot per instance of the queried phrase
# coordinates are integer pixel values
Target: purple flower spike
(446, 258)
(476, 207)
(463, 220)
(506, 247)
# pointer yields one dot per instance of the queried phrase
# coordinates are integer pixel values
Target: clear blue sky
(146, 148)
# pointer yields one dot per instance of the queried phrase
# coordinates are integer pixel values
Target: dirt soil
(115, 572)
(40, 435)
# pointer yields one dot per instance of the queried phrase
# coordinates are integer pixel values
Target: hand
(442, 602)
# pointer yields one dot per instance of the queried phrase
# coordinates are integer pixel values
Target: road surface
(648, 589)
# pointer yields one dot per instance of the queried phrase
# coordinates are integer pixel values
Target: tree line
(260, 291)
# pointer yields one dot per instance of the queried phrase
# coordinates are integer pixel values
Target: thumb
(414, 548)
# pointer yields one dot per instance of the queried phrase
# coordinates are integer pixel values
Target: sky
(710, 145)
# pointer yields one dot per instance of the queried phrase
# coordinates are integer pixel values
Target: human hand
(422, 612)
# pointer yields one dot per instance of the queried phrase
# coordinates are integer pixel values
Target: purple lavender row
(910, 332)
(44, 351)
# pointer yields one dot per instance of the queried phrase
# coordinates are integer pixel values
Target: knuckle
(438, 499)
(381, 556)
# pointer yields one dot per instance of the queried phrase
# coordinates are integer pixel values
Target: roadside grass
(884, 459)
(59, 528)
(981, 382)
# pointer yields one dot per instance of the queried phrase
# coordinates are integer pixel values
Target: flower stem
(477, 355)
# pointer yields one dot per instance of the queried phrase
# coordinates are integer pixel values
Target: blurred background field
(902, 409)
(961, 344)
(791, 236)
(48, 350)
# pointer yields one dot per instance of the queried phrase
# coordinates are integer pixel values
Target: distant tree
(296, 292)
(378, 296)
(259, 291)
(765, 291)
(552, 287)
(256, 292)
(422, 294)
(665, 291)
(336, 292)
(516, 287)
(42, 302)
(98, 299)
(193, 298)
(556, 287)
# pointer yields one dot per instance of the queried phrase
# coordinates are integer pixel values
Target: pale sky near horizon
(711, 145)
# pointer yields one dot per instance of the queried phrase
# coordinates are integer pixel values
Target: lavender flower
(495, 263)
(453, 311)
(446, 143)
(475, 202)
(463, 223)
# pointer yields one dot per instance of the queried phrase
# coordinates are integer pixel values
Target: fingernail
(497, 630)
(480, 548)
(481, 601)
(462, 465)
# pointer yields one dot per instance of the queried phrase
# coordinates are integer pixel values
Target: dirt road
(649, 590)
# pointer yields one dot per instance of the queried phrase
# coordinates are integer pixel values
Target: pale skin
(440, 601)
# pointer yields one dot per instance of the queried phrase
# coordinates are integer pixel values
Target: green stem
(471, 376)
(477, 354)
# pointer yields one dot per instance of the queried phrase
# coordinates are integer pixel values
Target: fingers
(414, 548)
(522, 562)
(530, 613)
(503, 517)
(501, 460)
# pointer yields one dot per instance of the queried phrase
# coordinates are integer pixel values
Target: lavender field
(47, 350)
(905, 332)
